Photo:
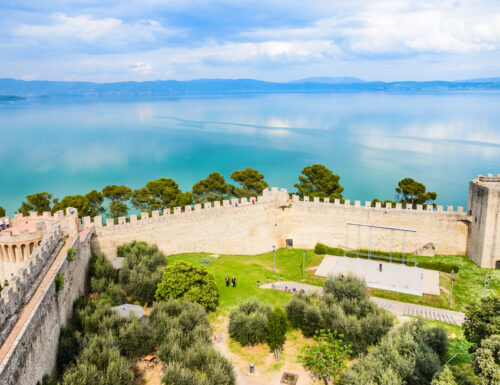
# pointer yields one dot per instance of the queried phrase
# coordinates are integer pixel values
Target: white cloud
(141, 67)
(91, 30)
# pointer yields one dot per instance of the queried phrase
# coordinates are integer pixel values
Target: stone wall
(483, 244)
(241, 227)
(35, 349)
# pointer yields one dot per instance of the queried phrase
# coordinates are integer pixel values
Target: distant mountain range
(10, 88)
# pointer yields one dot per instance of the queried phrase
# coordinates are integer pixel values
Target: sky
(274, 40)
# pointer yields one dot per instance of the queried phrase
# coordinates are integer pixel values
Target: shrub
(248, 322)
(440, 266)
(444, 377)
(59, 281)
(135, 339)
(187, 282)
(101, 267)
(401, 357)
(70, 254)
(142, 270)
(482, 320)
(346, 287)
(487, 360)
(205, 261)
(276, 330)
(320, 248)
(295, 309)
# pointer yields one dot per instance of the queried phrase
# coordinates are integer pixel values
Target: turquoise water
(371, 140)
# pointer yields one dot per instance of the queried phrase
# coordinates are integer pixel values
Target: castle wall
(483, 243)
(35, 348)
(255, 228)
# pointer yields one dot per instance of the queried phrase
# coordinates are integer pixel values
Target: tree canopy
(89, 204)
(186, 281)
(319, 181)
(159, 194)
(117, 194)
(2, 211)
(38, 202)
(276, 330)
(213, 188)
(487, 360)
(412, 192)
(482, 319)
(327, 357)
(252, 183)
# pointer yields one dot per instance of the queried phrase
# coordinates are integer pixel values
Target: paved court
(394, 276)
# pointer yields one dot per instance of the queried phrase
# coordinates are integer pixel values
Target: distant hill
(329, 80)
(480, 80)
(37, 88)
(10, 98)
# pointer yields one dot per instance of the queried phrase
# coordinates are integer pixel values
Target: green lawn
(248, 269)
(468, 286)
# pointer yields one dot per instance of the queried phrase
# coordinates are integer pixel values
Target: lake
(372, 140)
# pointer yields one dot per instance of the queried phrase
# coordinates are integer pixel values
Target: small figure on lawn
(380, 267)
(233, 282)
(227, 280)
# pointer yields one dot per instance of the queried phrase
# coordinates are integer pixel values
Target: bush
(135, 339)
(402, 357)
(205, 261)
(248, 322)
(187, 282)
(320, 248)
(487, 360)
(101, 267)
(344, 308)
(59, 281)
(70, 254)
(142, 270)
(346, 287)
(482, 320)
(440, 266)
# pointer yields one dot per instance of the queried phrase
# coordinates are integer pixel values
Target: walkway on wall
(31, 307)
(398, 308)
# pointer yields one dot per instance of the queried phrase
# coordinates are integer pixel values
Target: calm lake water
(371, 140)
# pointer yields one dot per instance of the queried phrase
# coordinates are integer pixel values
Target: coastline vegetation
(164, 193)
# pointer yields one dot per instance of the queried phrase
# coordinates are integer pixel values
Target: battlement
(270, 197)
(489, 178)
(13, 295)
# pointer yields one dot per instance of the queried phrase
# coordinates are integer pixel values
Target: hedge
(376, 255)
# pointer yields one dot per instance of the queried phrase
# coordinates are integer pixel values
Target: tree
(319, 181)
(2, 212)
(487, 360)
(95, 200)
(79, 202)
(186, 281)
(248, 322)
(276, 330)
(213, 188)
(251, 181)
(117, 195)
(38, 202)
(142, 270)
(159, 194)
(482, 319)
(413, 192)
(444, 377)
(325, 359)
(346, 287)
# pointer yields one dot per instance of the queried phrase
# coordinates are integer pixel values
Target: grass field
(248, 269)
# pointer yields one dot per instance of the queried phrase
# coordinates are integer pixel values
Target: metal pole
(359, 241)
(486, 283)
(403, 249)
(369, 243)
(452, 280)
(303, 265)
(274, 266)
(390, 249)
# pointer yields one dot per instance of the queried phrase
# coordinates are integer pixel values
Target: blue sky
(275, 40)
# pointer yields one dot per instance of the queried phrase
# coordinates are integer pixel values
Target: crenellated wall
(31, 347)
(243, 227)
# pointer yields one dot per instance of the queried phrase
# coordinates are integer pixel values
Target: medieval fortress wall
(32, 312)
(34, 251)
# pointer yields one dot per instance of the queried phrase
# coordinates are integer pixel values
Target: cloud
(90, 31)
(141, 67)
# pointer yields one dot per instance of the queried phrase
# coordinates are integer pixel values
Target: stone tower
(483, 243)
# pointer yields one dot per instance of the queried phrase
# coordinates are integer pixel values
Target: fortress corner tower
(483, 243)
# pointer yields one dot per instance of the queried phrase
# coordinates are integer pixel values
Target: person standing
(227, 280)
(2, 226)
(234, 281)
(7, 222)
